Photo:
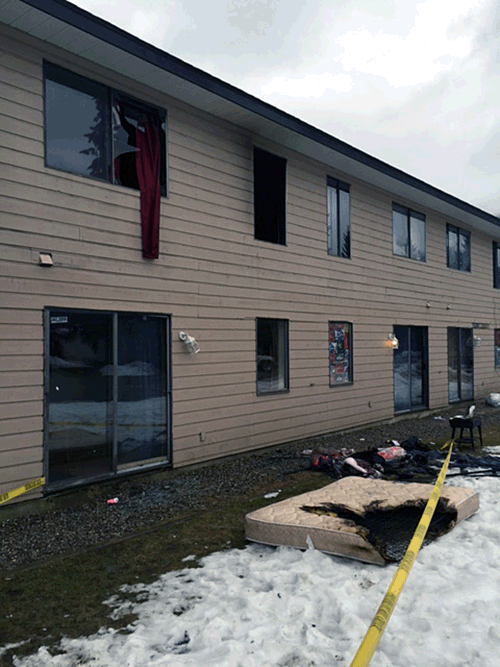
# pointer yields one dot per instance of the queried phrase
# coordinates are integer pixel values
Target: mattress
(369, 520)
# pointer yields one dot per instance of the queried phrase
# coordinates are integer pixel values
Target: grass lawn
(64, 596)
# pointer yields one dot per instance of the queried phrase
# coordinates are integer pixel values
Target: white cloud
(311, 85)
(415, 58)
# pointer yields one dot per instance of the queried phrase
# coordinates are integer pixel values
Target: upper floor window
(269, 187)
(94, 131)
(408, 233)
(338, 218)
(457, 248)
(496, 264)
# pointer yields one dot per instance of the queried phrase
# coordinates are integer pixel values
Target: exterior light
(392, 342)
(191, 345)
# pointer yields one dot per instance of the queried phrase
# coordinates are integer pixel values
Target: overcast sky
(414, 84)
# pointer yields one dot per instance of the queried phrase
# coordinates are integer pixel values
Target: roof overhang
(65, 25)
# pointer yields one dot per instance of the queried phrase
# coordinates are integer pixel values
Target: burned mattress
(370, 520)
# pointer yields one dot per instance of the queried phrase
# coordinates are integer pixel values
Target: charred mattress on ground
(370, 520)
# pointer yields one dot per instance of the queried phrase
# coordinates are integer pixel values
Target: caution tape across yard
(376, 629)
(29, 486)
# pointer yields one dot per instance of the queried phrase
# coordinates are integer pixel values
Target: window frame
(410, 215)
(286, 361)
(460, 233)
(496, 264)
(268, 226)
(116, 469)
(108, 95)
(334, 362)
(334, 227)
(496, 347)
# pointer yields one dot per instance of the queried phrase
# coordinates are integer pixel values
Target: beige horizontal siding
(213, 278)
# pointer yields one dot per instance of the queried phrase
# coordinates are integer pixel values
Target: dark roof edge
(97, 27)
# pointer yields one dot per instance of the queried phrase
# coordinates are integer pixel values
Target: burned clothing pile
(410, 460)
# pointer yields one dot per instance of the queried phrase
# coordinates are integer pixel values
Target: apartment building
(188, 272)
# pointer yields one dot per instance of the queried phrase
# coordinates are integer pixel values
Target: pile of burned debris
(410, 460)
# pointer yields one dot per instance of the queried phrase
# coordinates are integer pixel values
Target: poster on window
(339, 353)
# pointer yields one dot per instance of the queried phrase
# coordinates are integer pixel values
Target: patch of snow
(275, 607)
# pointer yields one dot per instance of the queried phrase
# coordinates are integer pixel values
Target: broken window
(269, 173)
(92, 130)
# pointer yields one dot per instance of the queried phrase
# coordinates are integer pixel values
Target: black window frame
(460, 234)
(108, 96)
(335, 224)
(496, 264)
(335, 357)
(116, 469)
(269, 196)
(258, 361)
(496, 347)
(409, 214)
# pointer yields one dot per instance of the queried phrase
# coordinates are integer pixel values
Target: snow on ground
(263, 607)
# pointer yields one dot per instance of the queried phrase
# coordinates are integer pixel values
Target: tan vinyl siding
(213, 278)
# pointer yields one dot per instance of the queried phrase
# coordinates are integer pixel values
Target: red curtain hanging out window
(148, 175)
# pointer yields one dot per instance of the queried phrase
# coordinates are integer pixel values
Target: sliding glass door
(460, 364)
(410, 369)
(107, 393)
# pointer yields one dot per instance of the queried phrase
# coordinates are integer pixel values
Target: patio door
(460, 364)
(410, 369)
(106, 392)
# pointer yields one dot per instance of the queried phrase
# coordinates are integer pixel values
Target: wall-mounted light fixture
(190, 343)
(392, 342)
(45, 259)
(477, 341)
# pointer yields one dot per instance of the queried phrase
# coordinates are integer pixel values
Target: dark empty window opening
(269, 174)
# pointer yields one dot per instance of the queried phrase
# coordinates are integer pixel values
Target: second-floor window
(338, 222)
(408, 233)
(496, 265)
(269, 187)
(457, 248)
(94, 131)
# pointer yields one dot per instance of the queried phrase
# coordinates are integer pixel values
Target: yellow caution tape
(4, 497)
(376, 629)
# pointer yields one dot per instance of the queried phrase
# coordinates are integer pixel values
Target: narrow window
(457, 248)
(496, 265)
(272, 355)
(338, 220)
(340, 353)
(497, 348)
(408, 233)
(269, 173)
